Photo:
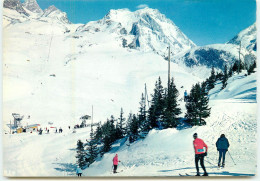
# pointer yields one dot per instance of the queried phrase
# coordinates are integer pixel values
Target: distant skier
(199, 153)
(185, 96)
(222, 146)
(78, 171)
(40, 131)
(115, 163)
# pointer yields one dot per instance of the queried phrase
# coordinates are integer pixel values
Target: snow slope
(166, 152)
(58, 73)
(55, 71)
(217, 56)
(170, 152)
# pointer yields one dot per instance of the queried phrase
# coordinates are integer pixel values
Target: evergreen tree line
(163, 113)
(197, 104)
(223, 76)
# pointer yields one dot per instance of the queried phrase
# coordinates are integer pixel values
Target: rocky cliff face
(146, 29)
(32, 6)
(15, 5)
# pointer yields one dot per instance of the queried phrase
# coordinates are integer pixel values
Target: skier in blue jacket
(222, 146)
(78, 171)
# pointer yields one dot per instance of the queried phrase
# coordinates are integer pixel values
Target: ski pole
(123, 164)
(231, 157)
(209, 162)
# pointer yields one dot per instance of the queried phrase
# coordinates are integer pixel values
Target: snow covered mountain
(29, 11)
(55, 14)
(54, 71)
(32, 6)
(145, 29)
(82, 57)
(219, 55)
(247, 37)
(15, 5)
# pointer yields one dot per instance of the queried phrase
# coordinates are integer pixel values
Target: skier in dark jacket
(222, 146)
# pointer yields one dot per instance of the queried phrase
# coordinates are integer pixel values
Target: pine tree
(212, 79)
(134, 126)
(219, 76)
(155, 112)
(108, 134)
(197, 107)
(128, 123)
(142, 117)
(92, 150)
(251, 68)
(81, 155)
(106, 145)
(224, 78)
(121, 125)
(204, 109)
(230, 72)
(171, 110)
(235, 67)
(98, 134)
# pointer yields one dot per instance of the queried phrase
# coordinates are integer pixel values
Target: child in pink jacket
(115, 163)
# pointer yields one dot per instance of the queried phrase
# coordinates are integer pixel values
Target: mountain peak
(246, 37)
(55, 13)
(32, 6)
(15, 5)
(144, 29)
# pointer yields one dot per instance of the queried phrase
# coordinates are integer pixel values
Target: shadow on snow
(69, 168)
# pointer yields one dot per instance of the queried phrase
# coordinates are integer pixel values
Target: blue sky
(203, 21)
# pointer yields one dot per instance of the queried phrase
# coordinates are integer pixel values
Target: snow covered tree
(224, 78)
(128, 123)
(197, 106)
(81, 154)
(92, 150)
(171, 110)
(121, 124)
(142, 117)
(157, 104)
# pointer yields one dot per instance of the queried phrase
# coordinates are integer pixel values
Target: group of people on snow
(222, 145)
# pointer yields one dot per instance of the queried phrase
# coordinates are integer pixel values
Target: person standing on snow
(199, 153)
(115, 163)
(222, 146)
(185, 96)
(78, 171)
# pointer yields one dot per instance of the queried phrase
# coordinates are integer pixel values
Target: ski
(119, 171)
(186, 175)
